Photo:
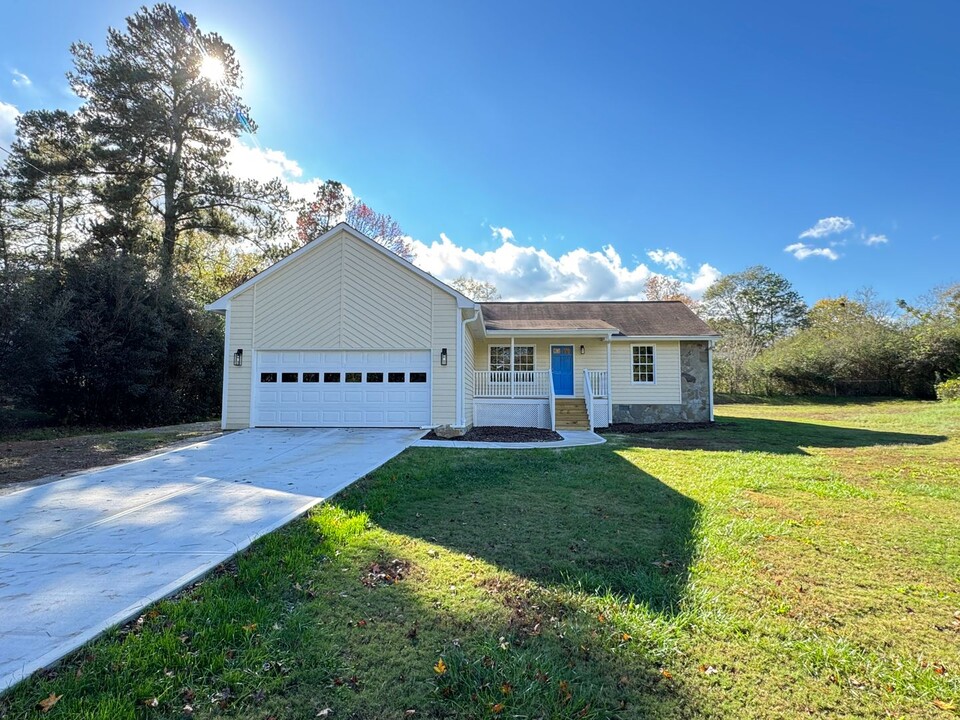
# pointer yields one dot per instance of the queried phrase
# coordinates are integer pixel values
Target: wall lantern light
(238, 358)
(582, 350)
(443, 356)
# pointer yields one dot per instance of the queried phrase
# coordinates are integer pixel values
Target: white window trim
(512, 359)
(644, 382)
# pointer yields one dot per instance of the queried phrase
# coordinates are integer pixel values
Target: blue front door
(561, 368)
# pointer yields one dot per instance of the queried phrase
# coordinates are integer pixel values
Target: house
(344, 333)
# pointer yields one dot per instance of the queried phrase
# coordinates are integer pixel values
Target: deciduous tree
(476, 290)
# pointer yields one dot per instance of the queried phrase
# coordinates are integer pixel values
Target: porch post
(609, 386)
(513, 390)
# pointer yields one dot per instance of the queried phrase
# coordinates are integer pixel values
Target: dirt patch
(502, 433)
(385, 572)
(25, 460)
(635, 429)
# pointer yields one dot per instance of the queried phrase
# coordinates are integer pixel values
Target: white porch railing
(553, 404)
(588, 397)
(598, 383)
(506, 384)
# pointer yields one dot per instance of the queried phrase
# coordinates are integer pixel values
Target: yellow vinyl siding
(468, 367)
(344, 295)
(238, 378)
(666, 389)
(445, 319)
(386, 306)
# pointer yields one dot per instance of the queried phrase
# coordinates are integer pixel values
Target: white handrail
(588, 397)
(553, 405)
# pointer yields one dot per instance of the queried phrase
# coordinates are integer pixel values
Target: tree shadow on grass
(782, 437)
(580, 519)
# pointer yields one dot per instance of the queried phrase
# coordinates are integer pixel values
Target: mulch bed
(635, 429)
(502, 433)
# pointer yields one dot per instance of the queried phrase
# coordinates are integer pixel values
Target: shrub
(949, 389)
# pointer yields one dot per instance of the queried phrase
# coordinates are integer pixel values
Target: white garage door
(350, 388)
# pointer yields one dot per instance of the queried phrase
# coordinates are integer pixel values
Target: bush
(949, 389)
(106, 342)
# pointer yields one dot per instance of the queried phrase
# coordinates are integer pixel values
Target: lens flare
(212, 69)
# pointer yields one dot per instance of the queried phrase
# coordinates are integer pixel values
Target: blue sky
(568, 150)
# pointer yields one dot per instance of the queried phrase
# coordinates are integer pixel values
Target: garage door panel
(310, 388)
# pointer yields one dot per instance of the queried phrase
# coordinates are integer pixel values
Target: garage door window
(374, 377)
(396, 377)
(311, 377)
(288, 377)
(331, 377)
(354, 377)
(418, 377)
(268, 377)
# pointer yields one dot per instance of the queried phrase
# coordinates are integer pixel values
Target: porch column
(609, 386)
(513, 390)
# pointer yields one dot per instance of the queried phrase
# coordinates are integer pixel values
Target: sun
(212, 69)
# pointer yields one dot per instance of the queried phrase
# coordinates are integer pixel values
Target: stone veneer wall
(694, 393)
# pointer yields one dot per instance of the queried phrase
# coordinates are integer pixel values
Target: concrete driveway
(82, 554)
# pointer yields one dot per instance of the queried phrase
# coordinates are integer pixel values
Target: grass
(40, 452)
(796, 560)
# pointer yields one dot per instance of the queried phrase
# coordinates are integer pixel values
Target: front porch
(528, 398)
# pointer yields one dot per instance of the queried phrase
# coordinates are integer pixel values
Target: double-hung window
(643, 364)
(522, 358)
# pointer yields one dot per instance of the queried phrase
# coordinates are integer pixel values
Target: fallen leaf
(601, 618)
(498, 708)
(409, 713)
(251, 627)
(626, 637)
(506, 688)
(188, 710)
(944, 705)
(151, 702)
(440, 668)
(708, 670)
(326, 712)
(939, 669)
(47, 703)
(666, 673)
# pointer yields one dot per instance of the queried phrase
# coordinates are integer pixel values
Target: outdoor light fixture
(582, 350)
(443, 356)
(238, 358)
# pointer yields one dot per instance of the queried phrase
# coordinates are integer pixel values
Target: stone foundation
(694, 393)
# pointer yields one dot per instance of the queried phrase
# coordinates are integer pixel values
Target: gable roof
(220, 304)
(663, 318)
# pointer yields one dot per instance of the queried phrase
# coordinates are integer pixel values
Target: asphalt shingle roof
(633, 318)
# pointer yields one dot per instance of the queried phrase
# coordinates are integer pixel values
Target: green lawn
(797, 560)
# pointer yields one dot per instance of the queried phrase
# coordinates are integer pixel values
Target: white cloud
(520, 272)
(20, 79)
(667, 258)
(828, 226)
(254, 163)
(525, 272)
(8, 123)
(801, 251)
(876, 240)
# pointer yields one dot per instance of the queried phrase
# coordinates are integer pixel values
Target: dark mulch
(635, 429)
(502, 433)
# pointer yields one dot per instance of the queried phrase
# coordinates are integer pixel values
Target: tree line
(773, 343)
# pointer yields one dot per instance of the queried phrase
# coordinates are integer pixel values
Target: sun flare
(212, 69)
